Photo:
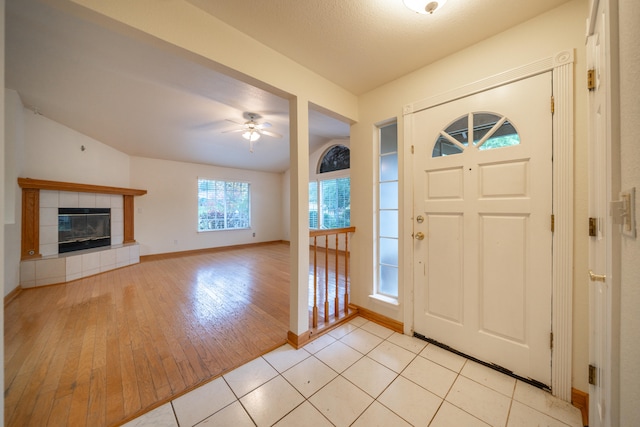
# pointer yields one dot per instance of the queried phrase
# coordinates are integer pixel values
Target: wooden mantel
(31, 209)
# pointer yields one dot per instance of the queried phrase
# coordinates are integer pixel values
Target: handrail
(331, 231)
(326, 233)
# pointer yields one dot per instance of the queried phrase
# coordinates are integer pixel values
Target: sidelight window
(388, 213)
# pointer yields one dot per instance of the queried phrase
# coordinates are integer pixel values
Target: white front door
(483, 205)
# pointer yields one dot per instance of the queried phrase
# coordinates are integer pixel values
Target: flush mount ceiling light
(424, 6)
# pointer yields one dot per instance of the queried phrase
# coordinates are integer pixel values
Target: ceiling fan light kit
(424, 6)
(252, 130)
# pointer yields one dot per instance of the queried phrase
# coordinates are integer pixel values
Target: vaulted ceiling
(147, 101)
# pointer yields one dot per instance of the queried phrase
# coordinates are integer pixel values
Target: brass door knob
(419, 235)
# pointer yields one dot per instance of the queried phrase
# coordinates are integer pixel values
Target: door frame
(561, 65)
(608, 373)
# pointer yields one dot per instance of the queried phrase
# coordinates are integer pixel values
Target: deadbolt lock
(419, 219)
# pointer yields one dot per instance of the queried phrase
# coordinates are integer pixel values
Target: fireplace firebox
(83, 228)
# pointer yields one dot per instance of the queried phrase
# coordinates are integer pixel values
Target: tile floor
(363, 374)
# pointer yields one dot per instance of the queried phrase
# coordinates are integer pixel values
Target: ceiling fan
(252, 130)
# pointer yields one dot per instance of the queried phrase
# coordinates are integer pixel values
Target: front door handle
(597, 277)
(419, 235)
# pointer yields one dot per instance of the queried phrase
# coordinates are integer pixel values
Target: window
(223, 205)
(330, 198)
(388, 213)
(489, 131)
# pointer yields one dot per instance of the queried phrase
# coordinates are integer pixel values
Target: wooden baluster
(326, 279)
(346, 273)
(315, 282)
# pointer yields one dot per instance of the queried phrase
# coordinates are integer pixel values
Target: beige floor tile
(232, 415)
(378, 415)
(361, 340)
(452, 416)
(370, 376)
(338, 356)
(524, 416)
(427, 374)
(309, 376)
(480, 401)
(393, 357)
(202, 402)
(271, 401)
(341, 402)
(250, 376)
(416, 405)
(413, 344)
(285, 357)
(546, 403)
(443, 357)
(304, 415)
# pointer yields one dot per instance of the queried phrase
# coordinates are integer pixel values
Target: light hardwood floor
(101, 350)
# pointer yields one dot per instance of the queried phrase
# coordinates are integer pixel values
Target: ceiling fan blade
(269, 133)
(263, 125)
(233, 130)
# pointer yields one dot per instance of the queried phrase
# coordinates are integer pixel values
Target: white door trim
(561, 65)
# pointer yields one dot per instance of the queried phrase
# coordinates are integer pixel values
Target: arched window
(335, 159)
(487, 131)
(330, 199)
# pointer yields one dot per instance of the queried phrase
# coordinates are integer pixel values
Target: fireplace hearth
(83, 228)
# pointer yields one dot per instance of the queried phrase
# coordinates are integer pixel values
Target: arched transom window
(487, 131)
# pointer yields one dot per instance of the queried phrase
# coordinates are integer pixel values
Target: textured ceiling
(149, 102)
(362, 44)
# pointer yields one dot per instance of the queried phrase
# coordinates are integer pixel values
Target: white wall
(542, 37)
(54, 152)
(629, 17)
(166, 217)
(13, 164)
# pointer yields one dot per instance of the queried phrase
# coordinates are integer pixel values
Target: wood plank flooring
(101, 350)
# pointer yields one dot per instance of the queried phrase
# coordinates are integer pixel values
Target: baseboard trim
(379, 319)
(298, 341)
(580, 400)
(167, 255)
(12, 295)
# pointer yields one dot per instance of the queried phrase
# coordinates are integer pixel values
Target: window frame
(377, 293)
(317, 178)
(226, 219)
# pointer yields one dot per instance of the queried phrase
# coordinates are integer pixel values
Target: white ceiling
(147, 101)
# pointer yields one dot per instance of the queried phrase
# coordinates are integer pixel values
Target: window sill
(385, 299)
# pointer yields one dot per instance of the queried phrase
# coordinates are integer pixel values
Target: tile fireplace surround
(44, 265)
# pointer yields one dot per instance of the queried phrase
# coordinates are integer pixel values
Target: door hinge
(412, 149)
(593, 227)
(553, 223)
(591, 79)
(593, 375)
(551, 340)
(553, 105)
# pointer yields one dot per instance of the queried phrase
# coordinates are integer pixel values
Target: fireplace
(83, 228)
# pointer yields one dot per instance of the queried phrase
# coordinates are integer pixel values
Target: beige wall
(166, 217)
(541, 37)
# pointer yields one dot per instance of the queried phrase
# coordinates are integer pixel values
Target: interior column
(299, 214)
